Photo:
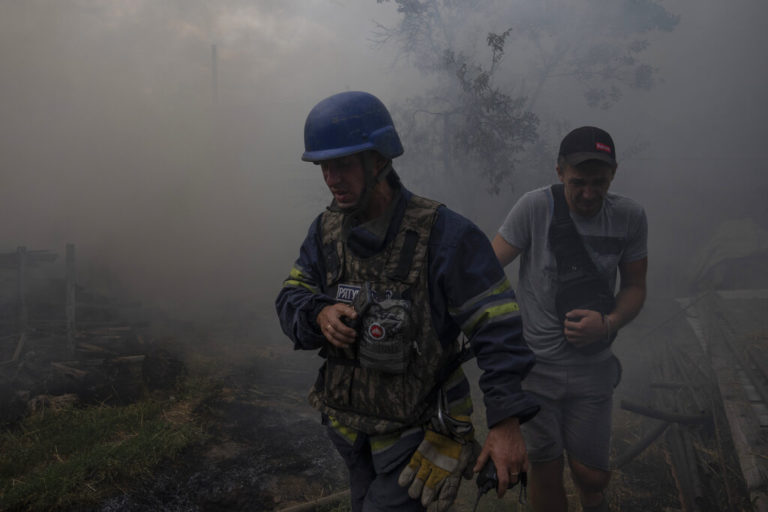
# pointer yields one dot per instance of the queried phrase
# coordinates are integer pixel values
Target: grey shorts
(575, 416)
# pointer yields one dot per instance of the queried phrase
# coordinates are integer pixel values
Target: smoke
(688, 141)
(703, 165)
(187, 194)
(181, 188)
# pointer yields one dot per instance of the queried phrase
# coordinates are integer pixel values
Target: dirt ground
(267, 450)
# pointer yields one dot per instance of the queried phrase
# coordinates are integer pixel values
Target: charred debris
(704, 397)
(61, 343)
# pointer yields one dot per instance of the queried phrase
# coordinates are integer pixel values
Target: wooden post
(21, 254)
(21, 260)
(69, 303)
(214, 74)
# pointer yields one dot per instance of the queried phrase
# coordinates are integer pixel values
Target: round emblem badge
(376, 331)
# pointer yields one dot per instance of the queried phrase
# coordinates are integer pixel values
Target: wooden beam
(628, 456)
(19, 347)
(722, 335)
(671, 417)
(319, 502)
(70, 300)
(21, 269)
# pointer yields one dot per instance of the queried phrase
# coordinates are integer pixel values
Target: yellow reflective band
(292, 282)
(296, 273)
(381, 443)
(460, 409)
(297, 278)
(500, 287)
(461, 417)
(503, 286)
(347, 433)
(489, 313)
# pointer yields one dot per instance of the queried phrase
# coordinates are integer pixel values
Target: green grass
(79, 456)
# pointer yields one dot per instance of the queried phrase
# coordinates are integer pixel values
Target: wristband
(607, 323)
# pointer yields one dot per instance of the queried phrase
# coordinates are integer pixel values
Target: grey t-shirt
(617, 234)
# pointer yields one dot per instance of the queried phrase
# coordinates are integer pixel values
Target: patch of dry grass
(77, 456)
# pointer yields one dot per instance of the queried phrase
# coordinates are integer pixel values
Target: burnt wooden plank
(726, 320)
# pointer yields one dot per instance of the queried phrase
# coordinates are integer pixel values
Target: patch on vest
(347, 293)
(377, 331)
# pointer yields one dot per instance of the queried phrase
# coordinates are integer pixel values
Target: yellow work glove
(435, 470)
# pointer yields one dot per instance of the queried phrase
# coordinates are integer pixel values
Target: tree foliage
(484, 112)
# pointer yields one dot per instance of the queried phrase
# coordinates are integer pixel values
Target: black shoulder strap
(580, 284)
(406, 256)
(566, 243)
(561, 214)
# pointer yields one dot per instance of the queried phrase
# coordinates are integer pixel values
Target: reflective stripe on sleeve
(491, 312)
(298, 278)
(501, 286)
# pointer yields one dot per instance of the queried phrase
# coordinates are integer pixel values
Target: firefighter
(385, 285)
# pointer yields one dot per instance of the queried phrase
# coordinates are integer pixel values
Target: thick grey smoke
(689, 146)
(186, 189)
(179, 187)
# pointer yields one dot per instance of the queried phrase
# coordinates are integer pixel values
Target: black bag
(579, 284)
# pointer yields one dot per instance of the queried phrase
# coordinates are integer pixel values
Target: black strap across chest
(565, 242)
(579, 283)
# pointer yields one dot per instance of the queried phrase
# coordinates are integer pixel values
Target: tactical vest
(372, 400)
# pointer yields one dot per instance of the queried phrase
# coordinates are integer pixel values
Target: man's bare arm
(631, 296)
(505, 252)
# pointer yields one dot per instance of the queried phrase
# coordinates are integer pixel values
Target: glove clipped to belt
(435, 470)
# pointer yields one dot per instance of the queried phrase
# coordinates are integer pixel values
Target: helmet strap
(368, 159)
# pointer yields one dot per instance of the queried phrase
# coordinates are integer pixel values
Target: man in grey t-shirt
(575, 372)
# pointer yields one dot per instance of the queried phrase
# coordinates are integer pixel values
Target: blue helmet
(348, 123)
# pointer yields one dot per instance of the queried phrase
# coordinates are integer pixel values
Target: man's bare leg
(591, 484)
(546, 491)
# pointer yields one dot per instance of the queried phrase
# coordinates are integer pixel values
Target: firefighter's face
(586, 185)
(345, 178)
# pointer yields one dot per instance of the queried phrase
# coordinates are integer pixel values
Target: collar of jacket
(368, 238)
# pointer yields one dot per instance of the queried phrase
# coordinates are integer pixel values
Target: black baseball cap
(588, 143)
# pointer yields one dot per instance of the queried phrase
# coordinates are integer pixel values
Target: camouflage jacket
(461, 288)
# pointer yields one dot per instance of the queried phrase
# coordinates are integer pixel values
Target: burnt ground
(266, 450)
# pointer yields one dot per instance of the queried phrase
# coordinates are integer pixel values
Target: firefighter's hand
(584, 326)
(506, 448)
(333, 328)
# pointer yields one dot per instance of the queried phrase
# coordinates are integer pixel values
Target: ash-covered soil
(268, 451)
(266, 448)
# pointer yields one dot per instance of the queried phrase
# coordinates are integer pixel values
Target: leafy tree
(484, 115)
